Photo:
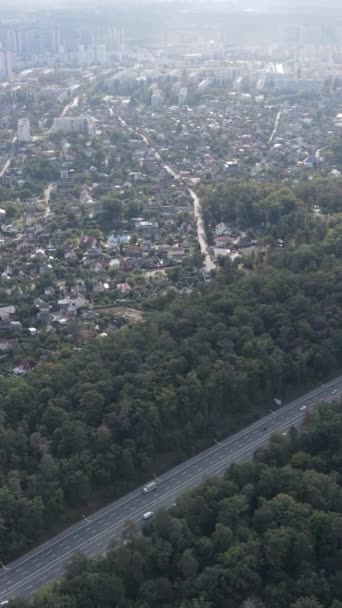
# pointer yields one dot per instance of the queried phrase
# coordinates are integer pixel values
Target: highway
(93, 535)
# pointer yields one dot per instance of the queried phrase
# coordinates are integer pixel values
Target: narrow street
(71, 104)
(47, 194)
(9, 157)
(276, 125)
(209, 264)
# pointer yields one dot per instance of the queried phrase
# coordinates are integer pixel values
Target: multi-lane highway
(92, 535)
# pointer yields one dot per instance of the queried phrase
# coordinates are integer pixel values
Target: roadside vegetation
(267, 534)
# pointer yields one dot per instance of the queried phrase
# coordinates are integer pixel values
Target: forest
(267, 534)
(293, 211)
(84, 427)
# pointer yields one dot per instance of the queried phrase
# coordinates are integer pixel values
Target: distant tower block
(24, 131)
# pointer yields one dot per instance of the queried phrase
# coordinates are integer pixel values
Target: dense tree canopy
(285, 212)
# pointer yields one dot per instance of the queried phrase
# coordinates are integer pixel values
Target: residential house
(177, 251)
(223, 240)
(21, 369)
(123, 288)
(149, 229)
(222, 229)
(8, 344)
(9, 328)
(243, 242)
(70, 306)
(44, 315)
(100, 287)
(86, 198)
(49, 291)
(6, 312)
(115, 240)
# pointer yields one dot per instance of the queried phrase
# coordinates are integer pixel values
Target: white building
(24, 131)
(78, 124)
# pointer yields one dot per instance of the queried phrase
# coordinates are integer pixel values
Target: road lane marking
(179, 487)
(173, 473)
(110, 529)
(246, 452)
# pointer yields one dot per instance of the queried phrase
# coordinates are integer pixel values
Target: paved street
(209, 264)
(10, 157)
(92, 536)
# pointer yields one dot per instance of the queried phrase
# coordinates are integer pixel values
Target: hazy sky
(270, 5)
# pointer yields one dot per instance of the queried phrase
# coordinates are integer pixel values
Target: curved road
(92, 536)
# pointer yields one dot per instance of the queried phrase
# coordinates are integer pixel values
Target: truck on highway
(152, 485)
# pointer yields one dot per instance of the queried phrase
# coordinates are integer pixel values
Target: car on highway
(302, 408)
(4, 603)
(264, 428)
(152, 485)
(334, 391)
(148, 515)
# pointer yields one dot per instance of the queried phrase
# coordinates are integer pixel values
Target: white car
(4, 603)
(148, 515)
(302, 408)
(334, 391)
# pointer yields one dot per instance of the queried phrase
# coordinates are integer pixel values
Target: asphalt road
(92, 536)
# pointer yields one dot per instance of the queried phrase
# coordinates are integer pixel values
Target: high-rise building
(92, 55)
(157, 98)
(24, 131)
(182, 96)
(13, 40)
(80, 124)
(6, 64)
(99, 54)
